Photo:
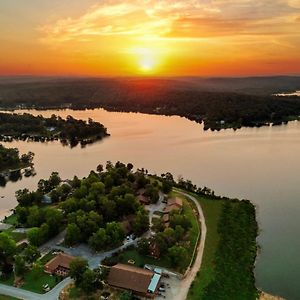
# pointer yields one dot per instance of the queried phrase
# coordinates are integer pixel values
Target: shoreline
(266, 296)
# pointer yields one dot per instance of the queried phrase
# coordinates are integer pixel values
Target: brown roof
(143, 199)
(130, 278)
(60, 260)
(170, 208)
(175, 201)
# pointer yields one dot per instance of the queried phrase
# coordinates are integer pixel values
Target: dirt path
(191, 274)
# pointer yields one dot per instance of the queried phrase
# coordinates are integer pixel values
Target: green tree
(177, 255)
(77, 268)
(8, 249)
(19, 266)
(143, 246)
(34, 236)
(98, 240)
(73, 235)
(31, 253)
(89, 282)
(54, 219)
(115, 233)
(141, 222)
(37, 269)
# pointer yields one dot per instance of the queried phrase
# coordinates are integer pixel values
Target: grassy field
(141, 260)
(17, 236)
(34, 281)
(3, 297)
(212, 210)
(47, 257)
(12, 220)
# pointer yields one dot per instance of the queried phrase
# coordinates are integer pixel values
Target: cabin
(141, 282)
(173, 204)
(59, 265)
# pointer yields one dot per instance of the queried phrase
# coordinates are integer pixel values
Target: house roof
(166, 218)
(175, 201)
(60, 260)
(171, 207)
(143, 199)
(130, 278)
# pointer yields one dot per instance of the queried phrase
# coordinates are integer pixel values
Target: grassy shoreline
(217, 261)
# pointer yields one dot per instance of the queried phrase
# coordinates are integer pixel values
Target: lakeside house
(172, 205)
(59, 265)
(142, 282)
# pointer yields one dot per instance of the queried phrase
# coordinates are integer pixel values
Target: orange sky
(149, 37)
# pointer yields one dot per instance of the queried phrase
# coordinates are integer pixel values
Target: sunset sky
(150, 37)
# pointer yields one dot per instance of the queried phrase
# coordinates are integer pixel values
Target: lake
(260, 164)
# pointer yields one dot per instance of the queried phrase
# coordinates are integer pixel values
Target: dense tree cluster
(86, 279)
(92, 209)
(11, 159)
(236, 253)
(69, 131)
(171, 241)
(219, 103)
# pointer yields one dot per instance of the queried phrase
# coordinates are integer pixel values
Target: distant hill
(218, 102)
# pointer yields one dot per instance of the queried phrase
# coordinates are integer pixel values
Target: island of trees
(96, 211)
(12, 164)
(70, 131)
(218, 103)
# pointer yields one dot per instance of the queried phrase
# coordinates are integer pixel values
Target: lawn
(141, 260)
(3, 297)
(34, 281)
(9, 280)
(188, 207)
(17, 236)
(47, 257)
(212, 210)
(12, 220)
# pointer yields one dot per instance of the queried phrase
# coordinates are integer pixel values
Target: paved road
(23, 294)
(189, 278)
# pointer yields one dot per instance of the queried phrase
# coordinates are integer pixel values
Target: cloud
(176, 19)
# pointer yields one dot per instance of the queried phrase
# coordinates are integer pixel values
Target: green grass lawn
(9, 280)
(141, 260)
(17, 236)
(34, 281)
(47, 257)
(212, 210)
(12, 220)
(188, 207)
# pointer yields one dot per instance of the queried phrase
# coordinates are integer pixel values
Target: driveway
(192, 272)
(23, 294)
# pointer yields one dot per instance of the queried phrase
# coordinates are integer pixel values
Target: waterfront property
(141, 282)
(59, 265)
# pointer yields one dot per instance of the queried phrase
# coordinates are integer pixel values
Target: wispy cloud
(177, 19)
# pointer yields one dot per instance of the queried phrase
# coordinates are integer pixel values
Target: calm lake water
(260, 164)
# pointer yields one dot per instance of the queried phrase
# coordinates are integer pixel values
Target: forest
(218, 103)
(11, 159)
(92, 209)
(235, 255)
(70, 131)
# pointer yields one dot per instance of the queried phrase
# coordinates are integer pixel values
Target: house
(59, 265)
(142, 282)
(173, 204)
(143, 199)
